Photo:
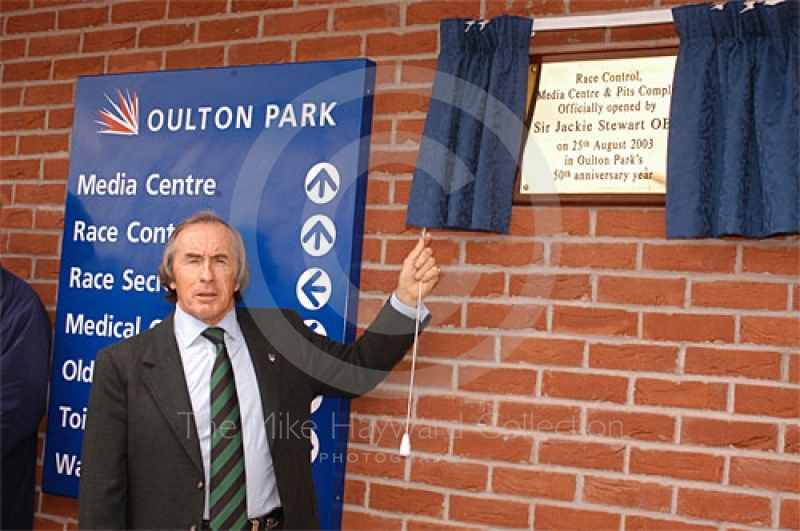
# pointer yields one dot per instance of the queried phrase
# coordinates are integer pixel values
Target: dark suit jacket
(141, 462)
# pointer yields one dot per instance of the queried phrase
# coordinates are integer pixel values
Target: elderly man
(189, 423)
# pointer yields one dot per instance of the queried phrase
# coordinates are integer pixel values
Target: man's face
(205, 271)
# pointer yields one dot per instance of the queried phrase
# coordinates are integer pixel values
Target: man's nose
(207, 272)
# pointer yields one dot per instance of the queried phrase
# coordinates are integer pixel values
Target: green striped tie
(228, 493)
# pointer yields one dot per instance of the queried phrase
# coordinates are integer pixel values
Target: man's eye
(192, 260)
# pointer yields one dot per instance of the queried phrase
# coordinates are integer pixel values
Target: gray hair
(165, 272)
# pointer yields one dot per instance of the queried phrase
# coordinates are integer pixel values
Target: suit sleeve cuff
(409, 311)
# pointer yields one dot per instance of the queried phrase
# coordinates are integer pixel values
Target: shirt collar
(188, 328)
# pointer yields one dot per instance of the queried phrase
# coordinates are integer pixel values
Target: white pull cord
(405, 443)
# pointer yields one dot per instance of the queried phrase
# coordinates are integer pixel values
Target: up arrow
(318, 235)
(322, 183)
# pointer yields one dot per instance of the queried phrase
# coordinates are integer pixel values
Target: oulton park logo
(122, 118)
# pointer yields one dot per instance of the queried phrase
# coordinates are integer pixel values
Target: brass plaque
(599, 127)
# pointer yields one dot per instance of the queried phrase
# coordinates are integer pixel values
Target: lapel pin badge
(272, 357)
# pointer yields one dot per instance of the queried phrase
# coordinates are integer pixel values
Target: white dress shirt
(197, 356)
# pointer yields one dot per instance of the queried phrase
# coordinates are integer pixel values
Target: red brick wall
(580, 373)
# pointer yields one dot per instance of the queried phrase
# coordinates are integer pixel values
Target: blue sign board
(280, 151)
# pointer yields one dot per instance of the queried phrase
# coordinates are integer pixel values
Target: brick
(796, 298)
(329, 48)
(643, 523)
(774, 260)
(30, 23)
(539, 417)
(629, 223)
(594, 321)
(744, 295)
(452, 408)
(409, 131)
(418, 71)
(633, 357)
(794, 369)
(12, 49)
(522, 8)
(238, 6)
(399, 44)
(196, 8)
(83, 66)
(545, 222)
(451, 474)
(641, 291)
(166, 35)
(296, 23)
(649, 32)
(380, 402)
(639, 426)
(47, 268)
(107, 40)
(733, 362)
(597, 456)
(791, 443)
(692, 258)
(790, 513)
(260, 53)
(355, 492)
(385, 74)
(138, 11)
(594, 255)
(767, 401)
(15, 217)
(487, 445)
(50, 94)
(560, 287)
(694, 466)
(82, 18)
(687, 394)
(60, 505)
(26, 71)
(729, 434)
(625, 493)
(542, 351)
(445, 313)
(392, 162)
(688, 327)
(10, 96)
(435, 375)
(497, 380)
(41, 194)
(534, 483)
(54, 45)
(20, 266)
(33, 243)
(229, 29)
(59, 119)
(432, 12)
(427, 438)
(506, 316)
(20, 120)
(401, 101)
(771, 474)
(439, 525)
(408, 500)
(500, 513)
(209, 56)
(366, 17)
(19, 169)
(607, 5)
(375, 464)
(357, 520)
(504, 253)
(135, 62)
(384, 221)
(378, 191)
(8, 145)
(433, 344)
(783, 331)
(725, 506)
(15, 5)
(582, 386)
(447, 252)
(470, 284)
(571, 518)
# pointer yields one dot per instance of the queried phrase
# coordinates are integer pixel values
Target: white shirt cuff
(408, 311)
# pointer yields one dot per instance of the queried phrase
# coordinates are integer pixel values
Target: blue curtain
(732, 163)
(467, 162)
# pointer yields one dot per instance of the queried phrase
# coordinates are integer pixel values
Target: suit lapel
(267, 365)
(164, 377)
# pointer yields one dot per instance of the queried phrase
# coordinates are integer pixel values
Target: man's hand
(419, 267)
